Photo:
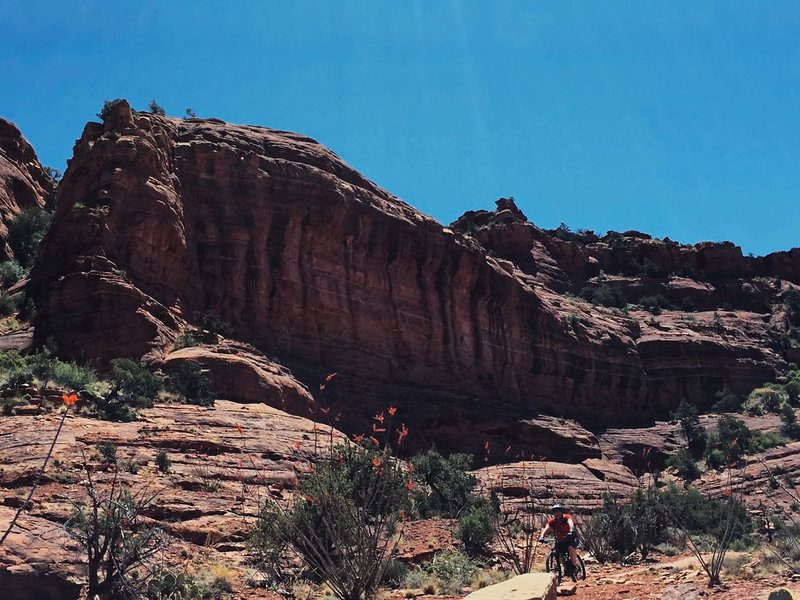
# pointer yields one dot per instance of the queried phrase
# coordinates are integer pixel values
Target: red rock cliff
(23, 181)
(312, 263)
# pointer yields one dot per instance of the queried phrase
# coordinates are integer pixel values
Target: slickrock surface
(531, 586)
(23, 181)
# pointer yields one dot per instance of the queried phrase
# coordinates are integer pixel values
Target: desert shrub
(694, 433)
(212, 326)
(108, 451)
(452, 570)
(613, 522)
(647, 518)
(8, 304)
(190, 382)
(727, 401)
(789, 425)
(187, 339)
(73, 376)
(699, 514)
(132, 387)
(766, 399)
(342, 521)
(655, 304)
(117, 545)
(10, 272)
(108, 107)
(764, 440)
(25, 231)
(476, 525)
(684, 464)
(163, 461)
(791, 300)
(443, 486)
(395, 574)
(605, 295)
(733, 439)
(155, 108)
(14, 370)
(594, 534)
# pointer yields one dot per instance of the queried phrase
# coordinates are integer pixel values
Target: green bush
(701, 515)
(694, 433)
(476, 526)
(163, 462)
(727, 401)
(764, 440)
(766, 399)
(14, 370)
(8, 304)
(655, 304)
(132, 387)
(605, 295)
(212, 326)
(108, 451)
(452, 571)
(733, 440)
(444, 486)
(187, 339)
(684, 464)
(10, 272)
(108, 107)
(190, 382)
(25, 231)
(72, 376)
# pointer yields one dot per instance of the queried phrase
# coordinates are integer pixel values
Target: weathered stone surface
(531, 586)
(23, 181)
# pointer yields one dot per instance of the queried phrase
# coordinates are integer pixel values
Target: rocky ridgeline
(467, 328)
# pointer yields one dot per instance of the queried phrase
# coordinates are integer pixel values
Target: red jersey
(560, 526)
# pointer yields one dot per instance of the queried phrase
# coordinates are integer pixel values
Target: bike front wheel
(553, 565)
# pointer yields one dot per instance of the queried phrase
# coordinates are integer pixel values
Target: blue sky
(679, 119)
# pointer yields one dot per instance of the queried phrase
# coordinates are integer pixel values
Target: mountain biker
(566, 538)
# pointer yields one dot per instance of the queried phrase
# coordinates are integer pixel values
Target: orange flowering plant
(345, 518)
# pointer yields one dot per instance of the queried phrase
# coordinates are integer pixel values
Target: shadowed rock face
(23, 181)
(310, 262)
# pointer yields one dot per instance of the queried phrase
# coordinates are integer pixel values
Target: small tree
(156, 108)
(693, 432)
(132, 387)
(190, 382)
(25, 231)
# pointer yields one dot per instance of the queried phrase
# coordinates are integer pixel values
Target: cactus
(780, 594)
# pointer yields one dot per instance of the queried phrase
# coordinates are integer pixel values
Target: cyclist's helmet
(557, 508)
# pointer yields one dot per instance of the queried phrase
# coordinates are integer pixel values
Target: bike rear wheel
(581, 569)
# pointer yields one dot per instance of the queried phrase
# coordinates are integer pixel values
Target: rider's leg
(573, 556)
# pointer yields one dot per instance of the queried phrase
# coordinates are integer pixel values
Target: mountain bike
(559, 563)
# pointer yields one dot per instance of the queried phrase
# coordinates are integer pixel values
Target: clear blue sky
(673, 118)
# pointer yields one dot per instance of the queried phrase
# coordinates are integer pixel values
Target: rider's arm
(571, 526)
(545, 529)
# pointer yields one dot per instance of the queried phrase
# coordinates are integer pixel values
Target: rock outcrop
(468, 332)
(23, 181)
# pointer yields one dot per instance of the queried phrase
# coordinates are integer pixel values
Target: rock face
(23, 181)
(467, 332)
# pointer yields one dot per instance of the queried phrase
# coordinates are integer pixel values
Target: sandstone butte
(473, 331)
(466, 329)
